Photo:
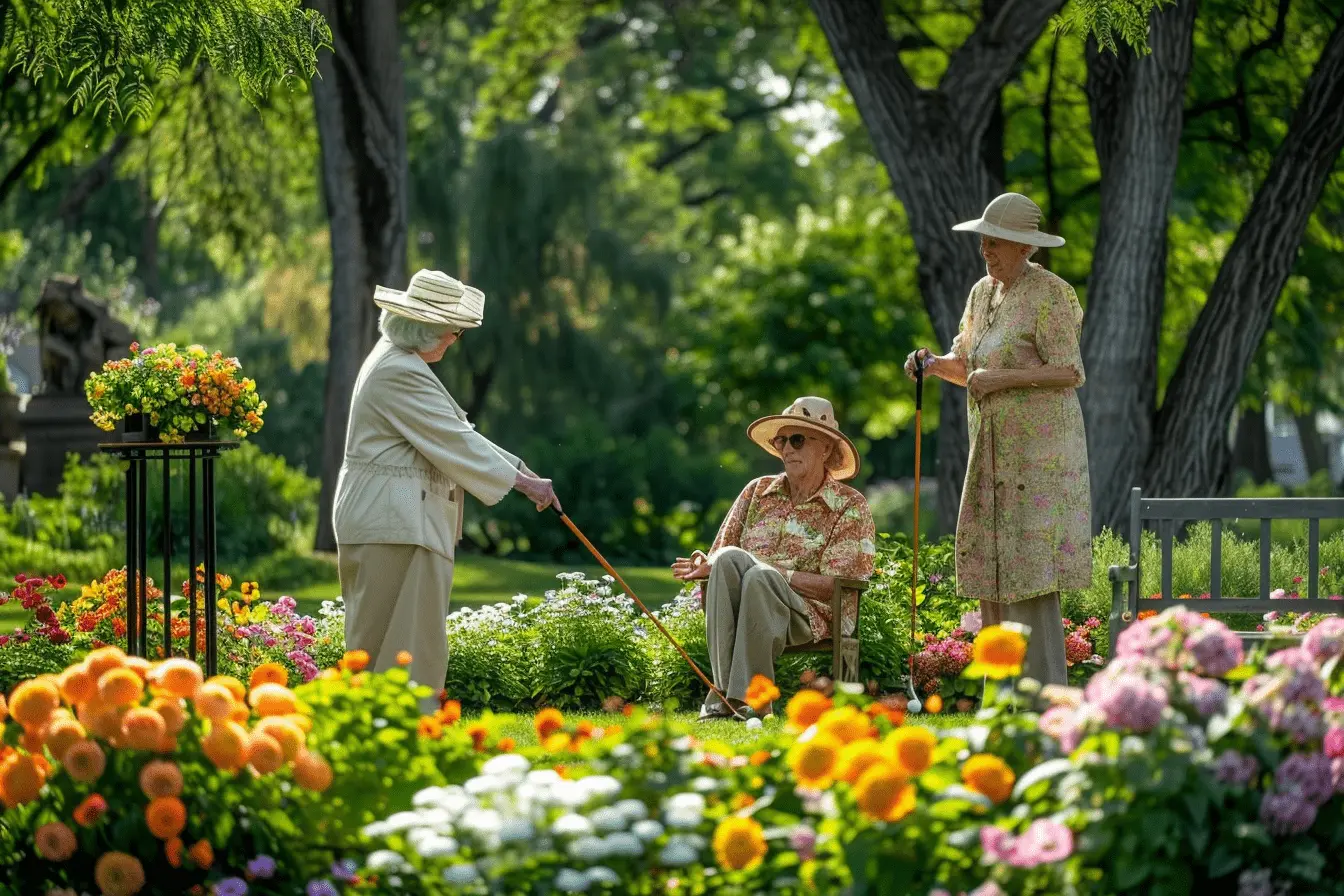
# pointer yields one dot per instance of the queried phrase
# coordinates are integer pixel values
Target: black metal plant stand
(200, 456)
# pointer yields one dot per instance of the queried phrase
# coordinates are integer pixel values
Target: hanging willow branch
(1107, 19)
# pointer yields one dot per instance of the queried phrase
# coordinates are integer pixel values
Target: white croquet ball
(753, 723)
(914, 705)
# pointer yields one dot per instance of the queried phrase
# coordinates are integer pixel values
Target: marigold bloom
(77, 685)
(172, 851)
(288, 735)
(21, 779)
(264, 753)
(760, 757)
(91, 809)
(506, 745)
(430, 727)
(997, 653)
(989, 775)
(806, 707)
(883, 793)
(547, 722)
(214, 701)
(84, 761)
(739, 843)
(312, 772)
(355, 660)
(858, 757)
(226, 745)
(741, 801)
(104, 659)
(32, 702)
(273, 700)
(233, 685)
(846, 724)
(813, 761)
(166, 817)
(120, 687)
(173, 714)
(913, 749)
(761, 692)
(142, 728)
(478, 733)
(934, 704)
(449, 712)
(54, 841)
(160, 778)
(60, 734)
(404, 658)
(118, 874)
(202, 853)
(268, 673)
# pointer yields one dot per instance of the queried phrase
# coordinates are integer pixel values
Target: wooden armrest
(859, 585)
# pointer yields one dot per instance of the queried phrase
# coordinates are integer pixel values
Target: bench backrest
(1169, 513)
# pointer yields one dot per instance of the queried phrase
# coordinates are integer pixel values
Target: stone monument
(76, 335)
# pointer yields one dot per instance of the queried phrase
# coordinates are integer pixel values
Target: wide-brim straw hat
(434, 298)
(1013, 216)
(815, 414)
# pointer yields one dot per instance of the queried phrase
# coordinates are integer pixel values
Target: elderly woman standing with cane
(1024, 533)
(409, 454)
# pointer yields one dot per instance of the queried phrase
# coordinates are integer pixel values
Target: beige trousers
(1045, 660)
(396, 598)
(751, 615)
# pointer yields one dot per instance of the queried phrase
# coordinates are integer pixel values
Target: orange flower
(226, 745)
(506, 745)
(202, 853)
(160, 778)
(77, 685)
(858, 757)
(214, 701)
(21, 779)
(449, 712)
(172, 851)
(806, 707)
(268, 673)
(264, 753)
(913, 748)
(312, 772)
(118, 874)
(143, 729)
(884, 794)
(166, 817)
(170, 709)
(478, 733)
(430, 727)
(761, 693)
(90, 810)
(61, 734)
(104, 659)
(355, 660)
(741, 801)
(231, 684)
(120, 687)
(404, 658)
(739, 843)
(846, 724)
(989, 775)
(934, 704)
(287, 734)
(547, 722)
(273, 700)
(813, 761)
(4, 709)
(760, 757)
(54, 841)
(32, 702)
(84, 761)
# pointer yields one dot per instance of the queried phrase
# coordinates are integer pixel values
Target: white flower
(679, 851)
(633, 810)
(461, 875)
(437, 847)
(385, 860)
(507, 765)
(704, 784)
(486, 784)
(483, 824)
(600, 787)
(623, 844)
(567, 880)
(452, 800)
(622, 751)
(608, 818)
(603, 876)
(568, 794)
(588, 849)
(516, 830)
(647, 830)
(571, 825)
(684, 810)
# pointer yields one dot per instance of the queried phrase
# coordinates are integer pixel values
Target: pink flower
(1325, 640)
(997, 844)
(988, 888)
(804, 842)
(1334, 742)
(1044, 843)
(1216, 649)
(1126, 699)
(971, 621)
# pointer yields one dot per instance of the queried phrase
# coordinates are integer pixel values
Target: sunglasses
(797, 440)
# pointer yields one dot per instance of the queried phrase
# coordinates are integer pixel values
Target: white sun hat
(434, 298)
(1012, 216)
(816, 414)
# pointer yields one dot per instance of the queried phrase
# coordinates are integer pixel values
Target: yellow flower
(989, 775)
(997, 653)
(846, 724)
(813, 761)
(858, 757)
(739, 843)
(806, 708)
(883, 793)
(913, 748)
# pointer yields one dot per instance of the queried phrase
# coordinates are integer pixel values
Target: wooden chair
(844, 650)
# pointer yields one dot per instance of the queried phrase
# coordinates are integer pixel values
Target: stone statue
(76, 335)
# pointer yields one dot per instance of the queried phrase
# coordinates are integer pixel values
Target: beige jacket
(409, 454)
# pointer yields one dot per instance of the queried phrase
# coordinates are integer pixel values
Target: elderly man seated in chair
(772, 568)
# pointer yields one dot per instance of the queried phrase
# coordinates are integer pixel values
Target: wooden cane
(915, 704)
(617, 576)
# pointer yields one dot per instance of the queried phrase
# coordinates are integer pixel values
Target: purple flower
(1307, 775)
(344, 870)
(1236, 768)
(1217, 651)
(1044, 843)
(1208, 696)
(262, 867)
(971, 621)
(231, 886)
(1286, 814)
(1127, 700)
(1147, 637)
(322, 887)
(804, 842)
(1325, 640)
(1302, 681)
(1301, 723)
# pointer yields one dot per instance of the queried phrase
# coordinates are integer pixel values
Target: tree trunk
(361, 121)
(932, 144)
(1313, 446)
(1190, 448)
(1250, 449)
(1137, 113)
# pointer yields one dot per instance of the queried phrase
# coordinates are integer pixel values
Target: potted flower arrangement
(172, 396)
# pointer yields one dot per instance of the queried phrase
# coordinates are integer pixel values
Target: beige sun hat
(1012, 216)
(809, 412)
(434, 298)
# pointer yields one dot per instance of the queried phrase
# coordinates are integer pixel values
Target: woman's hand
(540, 492)
(687, 569)
(981, 382)
(917, 356)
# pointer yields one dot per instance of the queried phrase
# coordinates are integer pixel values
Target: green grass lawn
(476, 581)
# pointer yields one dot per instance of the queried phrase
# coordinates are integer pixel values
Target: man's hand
(688, 569)
(540, 492)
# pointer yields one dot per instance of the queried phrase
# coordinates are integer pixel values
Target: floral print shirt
(831, 534)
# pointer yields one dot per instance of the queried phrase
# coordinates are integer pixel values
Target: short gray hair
(412, 335)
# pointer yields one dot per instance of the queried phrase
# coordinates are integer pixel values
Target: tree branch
(678, 151)
(94, 178)
(40, 143)
(695, 200)
(981, 66)
(1238, 100)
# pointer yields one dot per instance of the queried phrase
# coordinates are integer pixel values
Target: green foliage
(25, 658)
(1107, 20)
(113, 56)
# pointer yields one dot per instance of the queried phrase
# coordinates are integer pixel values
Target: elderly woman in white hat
(787, 537)
(409, 455)
(1024, 533)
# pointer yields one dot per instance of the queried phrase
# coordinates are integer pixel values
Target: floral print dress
(1025, 527)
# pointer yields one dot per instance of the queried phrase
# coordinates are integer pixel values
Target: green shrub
(23, 659)
(486, 663)
(671, 681)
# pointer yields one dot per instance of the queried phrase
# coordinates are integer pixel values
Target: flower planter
(204, 432)
(137, 428)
